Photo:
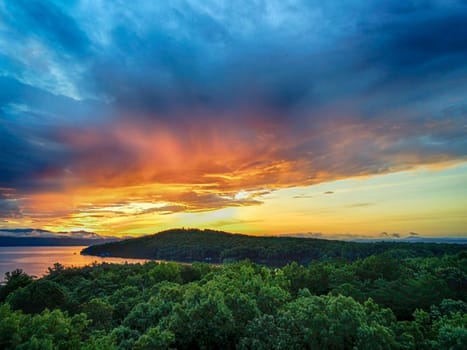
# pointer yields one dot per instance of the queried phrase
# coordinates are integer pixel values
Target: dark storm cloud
(420, 39)
(348, 89)
(33, 152)
(23, 156)
(32, 155)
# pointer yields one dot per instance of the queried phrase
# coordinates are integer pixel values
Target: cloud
(328, 192)
(390, 235)
(30, 232)
(47, 21)
(318, 235)
(224, 98)
(167, 209)
(303, 196)
(229, 222)
(208, 201)
(9, 208)
(360, 205)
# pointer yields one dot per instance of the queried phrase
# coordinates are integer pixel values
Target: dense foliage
(384, 301)
(214, 246)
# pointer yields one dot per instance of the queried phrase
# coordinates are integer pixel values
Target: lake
(35, 260)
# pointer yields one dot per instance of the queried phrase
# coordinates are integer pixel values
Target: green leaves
(47, 330)
(326, 305)
(14, 280)
(154, 338)
(99, 311)
(324, 322)
(37, 296)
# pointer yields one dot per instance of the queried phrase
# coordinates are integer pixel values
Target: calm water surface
(36, 260)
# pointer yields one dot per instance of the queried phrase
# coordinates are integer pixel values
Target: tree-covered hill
(189, 245)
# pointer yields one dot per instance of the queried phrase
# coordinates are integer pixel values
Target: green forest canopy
(384, 301)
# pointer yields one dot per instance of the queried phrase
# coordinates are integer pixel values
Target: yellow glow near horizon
(426, 201)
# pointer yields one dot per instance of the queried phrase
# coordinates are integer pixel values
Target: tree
(100, 312)
(47, 330)
(452, 332)
(14, 280)
(154, 338)
(325, 322)
(38, 296)
(202, 319)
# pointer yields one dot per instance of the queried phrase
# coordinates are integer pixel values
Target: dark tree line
(190, 245)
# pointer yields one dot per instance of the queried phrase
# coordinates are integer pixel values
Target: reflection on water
(35, 260)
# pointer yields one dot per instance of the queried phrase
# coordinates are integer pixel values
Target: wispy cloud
(360, 205)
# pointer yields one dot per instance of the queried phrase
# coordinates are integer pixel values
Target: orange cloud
(151, 169)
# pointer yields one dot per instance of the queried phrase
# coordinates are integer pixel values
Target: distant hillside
(417, 239)
(189, 245)
(48, 242)
(23, 237)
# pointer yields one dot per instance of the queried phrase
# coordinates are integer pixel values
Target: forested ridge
(188, 245)
(384, 301)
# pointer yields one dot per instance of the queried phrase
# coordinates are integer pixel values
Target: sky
(333, 118)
